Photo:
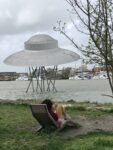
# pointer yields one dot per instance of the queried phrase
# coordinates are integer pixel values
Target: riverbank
(18, 126)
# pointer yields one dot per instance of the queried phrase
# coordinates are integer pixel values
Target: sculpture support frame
(44, 81)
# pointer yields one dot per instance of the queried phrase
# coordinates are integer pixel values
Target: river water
(78, 90)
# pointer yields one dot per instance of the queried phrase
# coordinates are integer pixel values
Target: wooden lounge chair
(41, 114)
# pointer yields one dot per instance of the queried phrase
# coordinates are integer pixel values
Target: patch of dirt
(89, 125)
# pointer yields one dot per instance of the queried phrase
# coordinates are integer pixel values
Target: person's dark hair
(49, 103)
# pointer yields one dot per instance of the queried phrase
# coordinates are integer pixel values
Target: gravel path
(89, 125)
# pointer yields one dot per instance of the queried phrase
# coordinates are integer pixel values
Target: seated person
(57, 111)
(60, 111)
(49, 104)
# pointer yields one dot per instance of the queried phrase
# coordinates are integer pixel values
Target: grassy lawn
(17, 129)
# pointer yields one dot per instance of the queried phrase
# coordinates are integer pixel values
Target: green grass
(95, 141)
(17, 130)
(90, 110)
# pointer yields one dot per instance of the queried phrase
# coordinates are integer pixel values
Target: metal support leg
(31, 81)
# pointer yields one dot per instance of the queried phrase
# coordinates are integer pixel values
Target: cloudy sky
(20, 19)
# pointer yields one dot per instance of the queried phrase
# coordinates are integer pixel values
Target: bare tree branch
(97, 19)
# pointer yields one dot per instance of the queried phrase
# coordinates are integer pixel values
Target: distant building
(8, 76)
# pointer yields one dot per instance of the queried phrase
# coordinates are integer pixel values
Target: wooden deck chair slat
(41, 114)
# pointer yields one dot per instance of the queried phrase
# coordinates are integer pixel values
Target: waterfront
(79, 90)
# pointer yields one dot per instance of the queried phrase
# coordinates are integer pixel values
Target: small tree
(66, 72)
(97, 19)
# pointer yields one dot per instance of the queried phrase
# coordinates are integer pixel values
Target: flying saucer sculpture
(39, 51)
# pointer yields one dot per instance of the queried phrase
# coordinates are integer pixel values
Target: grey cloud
(18, 16)
(20, 19)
